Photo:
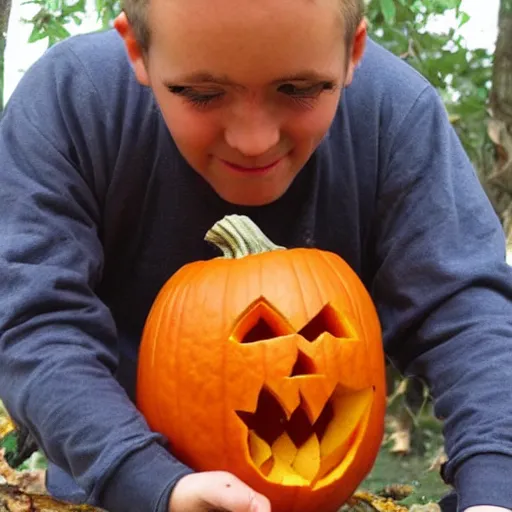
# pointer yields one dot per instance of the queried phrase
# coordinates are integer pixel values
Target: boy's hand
(486, 508)
(215, 491)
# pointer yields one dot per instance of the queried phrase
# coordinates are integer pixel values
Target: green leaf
(463, 18)
(37, 34)
(57, 31)
(388, 10)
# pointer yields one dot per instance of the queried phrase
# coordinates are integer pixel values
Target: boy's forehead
(222, 15)
(233, 5)
(283, 37)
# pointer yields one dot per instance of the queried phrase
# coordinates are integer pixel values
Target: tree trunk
(500, 125)
(5, 11)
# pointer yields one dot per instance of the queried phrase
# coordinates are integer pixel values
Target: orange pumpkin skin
(202, 370)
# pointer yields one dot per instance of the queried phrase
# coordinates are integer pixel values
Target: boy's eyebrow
(306, 76)
(203, 76)
(207, 77)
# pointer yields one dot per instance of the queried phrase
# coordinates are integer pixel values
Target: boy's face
(247, 88)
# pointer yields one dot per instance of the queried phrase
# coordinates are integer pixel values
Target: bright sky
(479, 32)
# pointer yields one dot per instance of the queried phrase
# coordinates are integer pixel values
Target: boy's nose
(252, 135)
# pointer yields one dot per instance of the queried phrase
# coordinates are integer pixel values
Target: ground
(412, 469)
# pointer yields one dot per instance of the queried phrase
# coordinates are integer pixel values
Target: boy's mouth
(259, 168)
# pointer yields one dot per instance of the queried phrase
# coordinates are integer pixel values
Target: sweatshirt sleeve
(444, 294)
(58, 345)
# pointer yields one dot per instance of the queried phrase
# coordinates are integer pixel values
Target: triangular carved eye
(260, 331)
(260, 322)
(327, 320)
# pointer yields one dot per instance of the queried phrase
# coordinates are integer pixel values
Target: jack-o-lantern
(267, 363)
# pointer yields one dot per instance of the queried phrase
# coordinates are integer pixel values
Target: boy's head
(247, 88)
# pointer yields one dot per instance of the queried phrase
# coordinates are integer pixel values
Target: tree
(5, 11)
(500, 125)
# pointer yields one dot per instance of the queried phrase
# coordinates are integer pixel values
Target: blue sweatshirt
(98, 208)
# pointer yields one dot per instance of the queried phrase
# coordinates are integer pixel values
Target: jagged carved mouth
(299, 449)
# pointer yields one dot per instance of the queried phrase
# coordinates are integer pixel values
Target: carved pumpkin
(267, 363)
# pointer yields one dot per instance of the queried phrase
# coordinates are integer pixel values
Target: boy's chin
(252, 197)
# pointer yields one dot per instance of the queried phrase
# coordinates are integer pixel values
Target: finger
(260, 504)
(229, 494)
(254, 502)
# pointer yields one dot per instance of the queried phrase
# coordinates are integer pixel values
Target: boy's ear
(135, 53)
(357, 50)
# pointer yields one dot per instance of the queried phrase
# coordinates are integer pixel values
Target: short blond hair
(136, 11)
(352, 12)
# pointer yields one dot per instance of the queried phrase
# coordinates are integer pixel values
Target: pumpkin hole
(260, 322)
(327, 320)
(303, 366)
(269, 421)
(299, 426)
(261, 331)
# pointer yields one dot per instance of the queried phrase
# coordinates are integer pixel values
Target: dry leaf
(6, 424)
(396, 492)
(363, 501)
(13, 499)
(28, 481)
(427, 507)
(401, 434)
(439, 459)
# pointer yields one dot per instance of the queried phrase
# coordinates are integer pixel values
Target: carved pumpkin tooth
(307, 460)
(334, 464)
(259, 449)
(348, 410)
(283, 473)
(315, 391)
(267, 466)
(287, 391)
(339, 433)
(284, 449)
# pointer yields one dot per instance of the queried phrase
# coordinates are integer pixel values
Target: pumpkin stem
(238, 236)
